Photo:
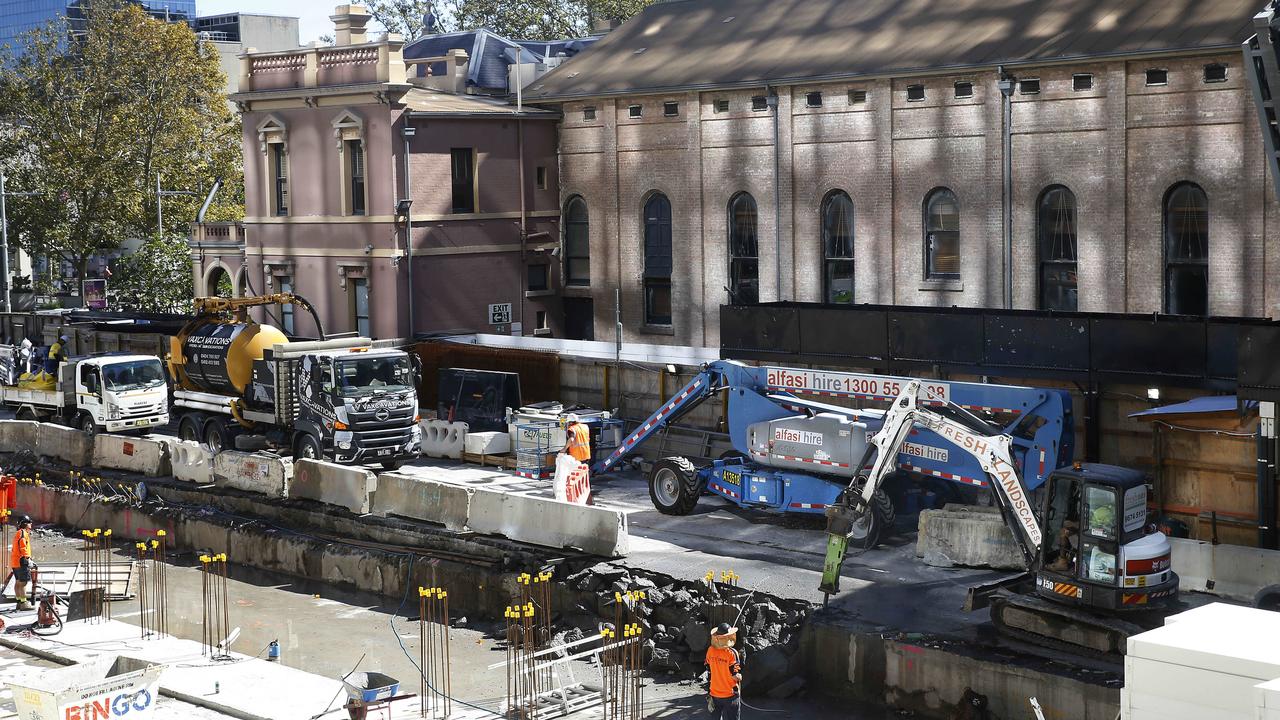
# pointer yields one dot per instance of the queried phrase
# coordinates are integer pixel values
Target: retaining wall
(134, 454)
(18, 435)
(341, 485)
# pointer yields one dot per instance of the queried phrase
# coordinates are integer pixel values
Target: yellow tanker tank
(217, 356)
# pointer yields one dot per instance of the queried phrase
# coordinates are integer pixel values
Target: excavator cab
(1098, 550)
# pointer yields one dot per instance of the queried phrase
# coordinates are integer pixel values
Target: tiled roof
(713, 43)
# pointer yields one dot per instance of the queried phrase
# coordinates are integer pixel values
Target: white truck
(111, 393)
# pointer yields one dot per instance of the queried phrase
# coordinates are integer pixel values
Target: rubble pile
(678, 615)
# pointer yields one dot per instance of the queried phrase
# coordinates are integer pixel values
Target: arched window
(744, 256)
(1186, 250)
(837, 247)
(577, 247)
(657, 260)
(1056, 243)
(941, 235)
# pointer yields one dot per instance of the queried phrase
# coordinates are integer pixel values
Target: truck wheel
(674, 486)
(86, 424)
(189, 429)
(215, 435)
(877, 524)
(307, 447)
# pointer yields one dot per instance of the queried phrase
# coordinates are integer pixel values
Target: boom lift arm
(991, 450)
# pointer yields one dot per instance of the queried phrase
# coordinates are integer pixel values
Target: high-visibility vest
(579, 442)
(21, 548)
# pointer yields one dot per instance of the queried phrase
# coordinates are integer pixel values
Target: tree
(156, 278)
(93, 119)
(516, 19)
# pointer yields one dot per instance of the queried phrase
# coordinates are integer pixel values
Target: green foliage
(516, 19)
(86, 124)
(156, 278)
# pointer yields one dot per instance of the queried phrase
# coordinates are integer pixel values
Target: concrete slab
(341, 485)
(967, 536)
(134, 454)
(71, 446)
(254, 472)
(488, 443)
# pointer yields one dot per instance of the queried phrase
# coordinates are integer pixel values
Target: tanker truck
(240, 383)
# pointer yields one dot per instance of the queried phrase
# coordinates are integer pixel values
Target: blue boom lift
(796, 454)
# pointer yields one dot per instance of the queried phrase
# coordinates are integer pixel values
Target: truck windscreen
(366, 375)
(133, 375)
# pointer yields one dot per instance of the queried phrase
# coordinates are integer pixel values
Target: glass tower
(20, 16)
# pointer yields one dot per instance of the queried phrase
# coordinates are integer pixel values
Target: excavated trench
(789, 645)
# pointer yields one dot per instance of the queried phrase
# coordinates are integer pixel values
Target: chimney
(348, 24)
(603, 25)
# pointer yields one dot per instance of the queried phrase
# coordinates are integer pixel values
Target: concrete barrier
(967, 536)
(1235, 572)
(139, 455)
(71, 446)
(420, 499)
(18, 435)
(190, 461)
(543, 521)
(348, 487)
(443, 439)
(254, 472)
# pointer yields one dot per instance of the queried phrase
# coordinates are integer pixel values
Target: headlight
(113, 412)
(343, 438)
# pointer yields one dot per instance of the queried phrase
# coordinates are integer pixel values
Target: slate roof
(490, 54)
(697, 44)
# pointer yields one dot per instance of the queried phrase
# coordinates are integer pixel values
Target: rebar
(435, 668)
(217, 621)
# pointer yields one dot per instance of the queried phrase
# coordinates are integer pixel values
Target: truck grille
(395, 430)
(142, 410)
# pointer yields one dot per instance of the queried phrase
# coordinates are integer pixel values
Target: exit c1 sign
(500, 314)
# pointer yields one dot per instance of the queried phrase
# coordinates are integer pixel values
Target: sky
(313, 15)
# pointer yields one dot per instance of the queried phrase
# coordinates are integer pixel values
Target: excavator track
(1061, 627)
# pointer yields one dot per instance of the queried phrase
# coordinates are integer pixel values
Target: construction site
(894, 544)
(834, 510)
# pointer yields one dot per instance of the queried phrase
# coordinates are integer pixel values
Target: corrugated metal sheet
(706, 43)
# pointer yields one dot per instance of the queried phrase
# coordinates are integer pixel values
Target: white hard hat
(572, 418)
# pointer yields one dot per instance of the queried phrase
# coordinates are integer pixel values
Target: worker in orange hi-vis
(578, 443)
(726, 674)
(20, 562)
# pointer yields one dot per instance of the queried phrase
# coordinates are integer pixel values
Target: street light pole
(4, 245)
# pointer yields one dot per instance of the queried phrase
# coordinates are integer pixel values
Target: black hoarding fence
(1215, 353)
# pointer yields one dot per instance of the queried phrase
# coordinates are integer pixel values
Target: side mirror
(416, 362)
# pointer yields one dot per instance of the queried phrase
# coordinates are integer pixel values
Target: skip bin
(121, 688)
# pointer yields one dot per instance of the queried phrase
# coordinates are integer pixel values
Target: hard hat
(24, 520)
(571, 418)
(724, 629)
(26, 342)
(63, 338)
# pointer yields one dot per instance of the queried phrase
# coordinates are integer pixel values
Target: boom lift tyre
(674, 486)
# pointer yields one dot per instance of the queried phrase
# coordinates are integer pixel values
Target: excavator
(1095, 568)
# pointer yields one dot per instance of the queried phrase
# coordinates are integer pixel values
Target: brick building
(327, 131)
(855, 152)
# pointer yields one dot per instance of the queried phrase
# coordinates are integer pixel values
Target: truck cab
(361, 404)
(112, 393)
